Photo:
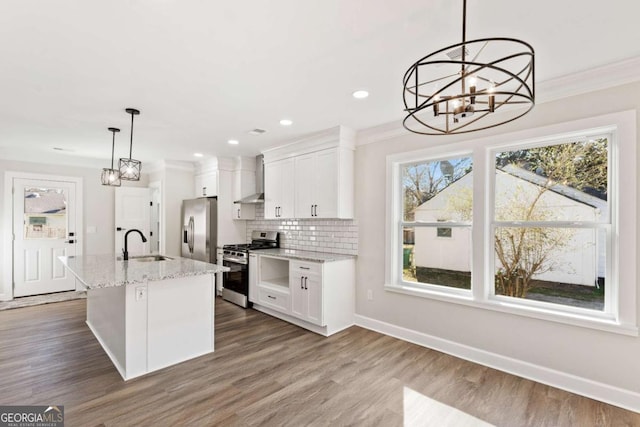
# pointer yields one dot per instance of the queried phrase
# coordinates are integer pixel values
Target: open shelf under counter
(277, 283)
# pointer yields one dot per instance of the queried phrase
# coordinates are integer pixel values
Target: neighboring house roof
(532, 178)
(571, 193)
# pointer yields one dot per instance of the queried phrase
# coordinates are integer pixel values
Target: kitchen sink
(149, 258)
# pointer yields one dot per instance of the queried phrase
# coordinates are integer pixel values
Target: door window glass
(45, 213)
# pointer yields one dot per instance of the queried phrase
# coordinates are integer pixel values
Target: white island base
(148, 326)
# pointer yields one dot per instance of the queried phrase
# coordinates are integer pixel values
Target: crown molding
(607, 76)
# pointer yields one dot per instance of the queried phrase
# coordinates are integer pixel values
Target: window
(539, 223)
(552, 223)
(437, 191)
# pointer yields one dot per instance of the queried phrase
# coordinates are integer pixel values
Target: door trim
(6, 290)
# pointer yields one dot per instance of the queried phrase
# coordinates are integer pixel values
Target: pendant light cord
(113, 145)
(131, 141)
(464, 40)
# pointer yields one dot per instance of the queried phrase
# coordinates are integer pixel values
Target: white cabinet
(253, 277)
(244, 184)
(279, 189)
(306, 292)
(206, 185)
(314, 295)
(324, 184)
(243, 211)
(321, 182)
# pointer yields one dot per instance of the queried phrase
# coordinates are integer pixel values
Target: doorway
(46, 223)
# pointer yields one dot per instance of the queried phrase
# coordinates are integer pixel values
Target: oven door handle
(234, 260)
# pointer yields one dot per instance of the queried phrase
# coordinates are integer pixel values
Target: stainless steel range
(236, 281)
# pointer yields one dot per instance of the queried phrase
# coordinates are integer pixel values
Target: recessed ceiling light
(286, 122)
(233, 142)
(360, 94)
(198, 154)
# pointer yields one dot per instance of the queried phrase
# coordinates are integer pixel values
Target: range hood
(258, 196)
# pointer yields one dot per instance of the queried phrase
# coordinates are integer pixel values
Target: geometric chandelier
(469, 86)
(111, 176)
(130, 168)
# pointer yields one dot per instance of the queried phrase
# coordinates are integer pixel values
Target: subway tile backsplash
(339, 236)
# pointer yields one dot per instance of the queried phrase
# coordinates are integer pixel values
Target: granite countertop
(102, 271)
(303, 255)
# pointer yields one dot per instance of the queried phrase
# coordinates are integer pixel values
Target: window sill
(607, 325)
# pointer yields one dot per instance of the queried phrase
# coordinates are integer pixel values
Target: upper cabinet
(244, 184)
(279, 189)
(206, 184)
(312, 178)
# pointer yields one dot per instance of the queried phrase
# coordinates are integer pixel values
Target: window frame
(620, 309)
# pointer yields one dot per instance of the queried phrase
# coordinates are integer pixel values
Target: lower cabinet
(306, 292)
(319, 296)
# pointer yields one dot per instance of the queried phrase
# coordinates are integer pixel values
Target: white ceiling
(204, 71)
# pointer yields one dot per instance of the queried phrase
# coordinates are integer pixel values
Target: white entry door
(44, 227)
(133, 210)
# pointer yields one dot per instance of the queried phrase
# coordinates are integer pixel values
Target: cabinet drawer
(272, 298)
(306, 267)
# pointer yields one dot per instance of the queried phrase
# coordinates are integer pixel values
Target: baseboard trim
(585, 387)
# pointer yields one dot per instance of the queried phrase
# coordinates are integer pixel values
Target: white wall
(587, 354)
(98, 209)
(176, 181)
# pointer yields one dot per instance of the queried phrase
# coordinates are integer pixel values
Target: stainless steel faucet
(125, 252)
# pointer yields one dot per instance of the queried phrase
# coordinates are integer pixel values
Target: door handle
(305, 282)
(315, 210)
(120, 229)
(70, 241)
(238, 213)
(311, 210)
(204, 191)
(301, 278)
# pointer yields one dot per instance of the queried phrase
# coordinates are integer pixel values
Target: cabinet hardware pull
(305, 268)
(315, 210)
(311, 210)
(269, 296)
(305, 282)
(301, 287)
(204, 191)
(238, 213)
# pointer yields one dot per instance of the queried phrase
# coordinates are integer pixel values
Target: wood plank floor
(268, 372)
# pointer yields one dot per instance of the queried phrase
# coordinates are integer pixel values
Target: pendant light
(111, 176)
(130, 168)
(469, 86)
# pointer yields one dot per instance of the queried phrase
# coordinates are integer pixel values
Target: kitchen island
(148, 312)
